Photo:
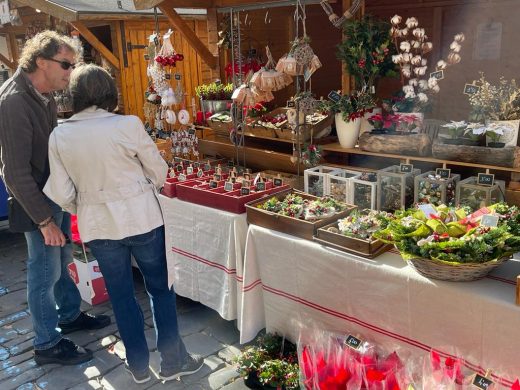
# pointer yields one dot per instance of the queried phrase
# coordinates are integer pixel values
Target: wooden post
(346, 79)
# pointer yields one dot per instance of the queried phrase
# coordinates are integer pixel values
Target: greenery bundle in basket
(451, 240)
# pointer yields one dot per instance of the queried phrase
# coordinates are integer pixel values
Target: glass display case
(316, 179)
(434, 189)
(395, 188)
(475, 196)
(363, 191)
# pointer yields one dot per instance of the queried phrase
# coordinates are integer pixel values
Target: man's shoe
(85, 321)
(193, 364)
(65, 352)
(138, 377)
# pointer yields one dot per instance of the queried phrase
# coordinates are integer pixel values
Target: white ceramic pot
(348, 132)
(365, 124)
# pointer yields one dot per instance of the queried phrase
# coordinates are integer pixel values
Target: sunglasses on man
(65, 65)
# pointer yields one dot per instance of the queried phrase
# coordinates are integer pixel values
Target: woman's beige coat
(106, 169)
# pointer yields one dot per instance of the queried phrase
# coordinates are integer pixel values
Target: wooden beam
(146, 4)
(346, 79)
(50, 8)
(10, 64)
(13, 47)
(166, 8)
(96, 43)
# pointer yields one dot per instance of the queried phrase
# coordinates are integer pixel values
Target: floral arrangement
(273, 362)
(256, 110)
(367, 51)
(295, 206)
(390, 122)
(412, 46)
(352, 106)
(494, 131)
(214, 91)
(495, 102)
(362, 224)
(311, 155)
(455, 129)
(453, 235)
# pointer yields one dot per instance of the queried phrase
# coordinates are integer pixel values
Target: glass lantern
(316, 179)
(476, 196)
(339, 183)
(395, 188)
(431, 188)
(363, 191)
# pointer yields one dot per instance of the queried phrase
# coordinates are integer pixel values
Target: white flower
(408, 89)
(396, 19)
(432, 82)
(405, 46)
(425, 241)
(475, 128)
(499, 128)
(420, 71)
(412, 22)
(413, 82)
(423, 85)
(394, 32)
(423, 98)
(403, 32)
(441, 65)
(416, 60)
(407, 57)
(427, 47)
(424, 61)
(419, 33)
(455, 47)
(453, 58)
(455, 125)
(415, 44)
(436, 89)
(407, 71)
(410, 95)
(459, 38)
(397, 59)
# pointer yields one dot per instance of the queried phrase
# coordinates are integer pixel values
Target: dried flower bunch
(412, 45)
(495, 102)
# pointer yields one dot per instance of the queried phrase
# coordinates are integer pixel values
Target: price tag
(200, 172)
(334, 96)
(245, 191)
(217, 177)
(291, 104)
(277, 182)
(353, 342)
(213, 184)
(428, 210)
(179, 168)
(481, 382)
(406, 168)
(471, 89)
(444, 173)
(228, 186)
(177, 159)
(146, 57)
(439, 75)
(167, 76)
(191, 131)
(485, 179)
(252, 52)
(177, 76)
(207, 167)
(246, 183)
(156, 41)
(182, 177)
(260, 186)
(196, 164)
(189, 171)
(489, 220)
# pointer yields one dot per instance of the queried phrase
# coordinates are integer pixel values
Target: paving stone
(229, 353)
(102, 363)
(13, 301)
(7, 333)
(211, 363)
(14, 360)
(4, 354)
(237, 384)
(90, 385)
(21, 338)
(222, 377)
(16, 369)
(13, 317)
(172, 385)
(83, 338)
(185, 305)
(196, 320)
(103, 343)
(22, 379)
(224, 331)
(106, 331)
(18, 286)
(120, 350)
(28, 386)
(22, 347)
(119, 379)
(202, 344)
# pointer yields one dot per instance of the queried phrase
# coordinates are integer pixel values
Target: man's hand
(53, 235)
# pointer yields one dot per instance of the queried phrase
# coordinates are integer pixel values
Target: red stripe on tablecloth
(204, 261)
(251, 286)
(407, 340)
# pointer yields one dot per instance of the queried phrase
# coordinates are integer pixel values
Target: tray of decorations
(266, 125)
(353, 233)
(296, 213)
(454, 244)
(228, 193)
(221, 123)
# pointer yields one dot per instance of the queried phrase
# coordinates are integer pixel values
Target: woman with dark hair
(106, 169)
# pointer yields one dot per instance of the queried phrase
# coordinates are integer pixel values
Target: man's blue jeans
(51, 292)
(115, 263)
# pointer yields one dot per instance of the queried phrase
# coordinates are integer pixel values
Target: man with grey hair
(28, 114)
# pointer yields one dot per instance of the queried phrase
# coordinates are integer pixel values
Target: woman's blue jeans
(114, 258)
(51, 292)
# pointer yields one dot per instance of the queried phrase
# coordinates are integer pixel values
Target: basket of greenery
(272, 364)
(215, 97)
(451, 244)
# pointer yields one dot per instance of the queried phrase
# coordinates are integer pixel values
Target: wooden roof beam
(50, 8)
(7, 62)
(96, 43)
(166, 8)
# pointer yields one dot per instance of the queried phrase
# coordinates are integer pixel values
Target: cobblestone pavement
(203, 330)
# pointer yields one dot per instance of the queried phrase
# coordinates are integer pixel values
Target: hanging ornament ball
(303, 54)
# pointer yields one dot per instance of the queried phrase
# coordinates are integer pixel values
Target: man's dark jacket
(26, 121)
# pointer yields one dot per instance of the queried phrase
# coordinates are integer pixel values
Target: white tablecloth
(205, 249)
(290, 282)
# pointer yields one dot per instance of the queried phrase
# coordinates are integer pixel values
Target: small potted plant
(475, 134)
(455, 132)
(215, 97)
(495, 131)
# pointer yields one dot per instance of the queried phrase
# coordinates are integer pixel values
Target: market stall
(290, 283)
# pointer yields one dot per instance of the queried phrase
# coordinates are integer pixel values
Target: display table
(205, 249)
(290, 282)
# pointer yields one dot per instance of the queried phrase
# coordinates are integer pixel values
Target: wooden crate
(296, 227)
(220, 128)
(408, 145)
(357, 246)
(290, 179)
(501, 157)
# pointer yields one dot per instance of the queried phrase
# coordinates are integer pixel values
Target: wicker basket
(443, 270)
